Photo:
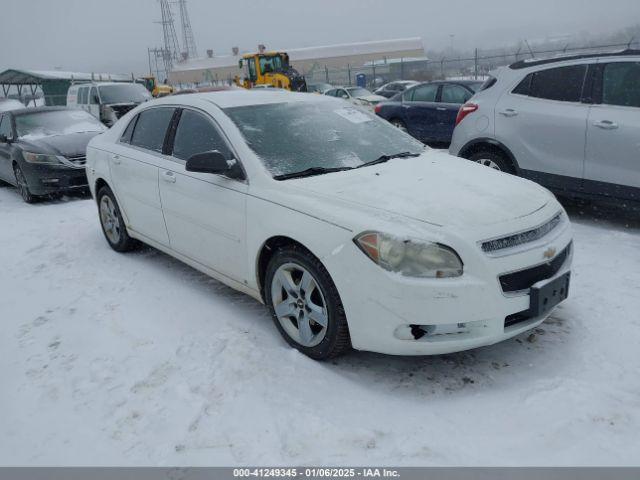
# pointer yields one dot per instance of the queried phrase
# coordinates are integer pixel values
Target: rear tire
(396, 122)
(493, 159)
(112, 223)
(305, 304)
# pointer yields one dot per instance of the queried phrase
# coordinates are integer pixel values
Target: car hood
(435, 188)
(70, 145)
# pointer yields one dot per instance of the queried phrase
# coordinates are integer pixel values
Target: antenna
(171, 46)
(189, 42)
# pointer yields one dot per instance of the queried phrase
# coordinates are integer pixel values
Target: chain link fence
(475, 64)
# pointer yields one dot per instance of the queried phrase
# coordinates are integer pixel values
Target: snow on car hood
(372, 98)
(435, 187)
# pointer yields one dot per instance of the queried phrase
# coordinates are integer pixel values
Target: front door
(6, 164)
(205, 213)
(612, 164)
(134, 170)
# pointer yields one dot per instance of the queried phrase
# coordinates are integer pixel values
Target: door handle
(509, 112)
(442, 109)
(606, 125)
(116, 159)
(169, 176)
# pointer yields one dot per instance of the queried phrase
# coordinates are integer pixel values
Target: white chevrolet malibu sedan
(350, 231)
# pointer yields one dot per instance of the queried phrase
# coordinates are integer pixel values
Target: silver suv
(571, 124)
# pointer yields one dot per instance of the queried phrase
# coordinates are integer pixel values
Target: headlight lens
(412, 258)
(41, 158)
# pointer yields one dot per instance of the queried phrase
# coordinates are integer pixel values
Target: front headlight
(41, 158)
(412, 258)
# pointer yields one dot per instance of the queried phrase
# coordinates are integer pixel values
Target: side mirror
(209, 162)
(95, 100)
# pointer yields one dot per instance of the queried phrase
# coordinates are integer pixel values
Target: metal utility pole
(189, 42)
(171, 49)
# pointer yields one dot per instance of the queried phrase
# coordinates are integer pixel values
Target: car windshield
(125, 93)
(30, 126)
(296, 136)
(358, 92)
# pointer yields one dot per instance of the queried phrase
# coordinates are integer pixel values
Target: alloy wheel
(488, 163)
(110, 220)
(299, 304)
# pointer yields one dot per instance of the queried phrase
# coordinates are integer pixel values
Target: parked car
(7, 104)
(350, 231)
(318, 87)
(43, 149)
(570, 123)
(356, 95)
(391, 89)
(107, 101)
(428, 111)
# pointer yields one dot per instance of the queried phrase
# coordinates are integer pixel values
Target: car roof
(30, 110)
(533, 62)
(242, 97)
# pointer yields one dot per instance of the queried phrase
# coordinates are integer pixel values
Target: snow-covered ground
(137, 359)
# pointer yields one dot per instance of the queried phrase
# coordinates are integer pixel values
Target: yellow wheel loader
(156, 89)
(270, 69)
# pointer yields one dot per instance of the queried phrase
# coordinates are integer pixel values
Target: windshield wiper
(309, 172)
(386, 158)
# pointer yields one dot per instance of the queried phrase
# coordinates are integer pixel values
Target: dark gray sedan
(43, 150)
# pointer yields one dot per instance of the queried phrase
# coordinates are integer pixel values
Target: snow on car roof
(262, 96)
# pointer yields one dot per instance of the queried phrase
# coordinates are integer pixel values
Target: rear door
(612, 164)
(421, 112)
(543, 121)
(134, 172)
(205, 213)
(452, 96)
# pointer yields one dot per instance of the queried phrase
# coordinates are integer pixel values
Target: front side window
(621, 84)
(151, 128)
(292, 137)
(563, 84)
(5, 126)
(196, 134)
(425, 93)
(342, 94)
(455, 94)
(83, 95)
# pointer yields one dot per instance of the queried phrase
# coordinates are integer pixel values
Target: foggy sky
(113, 35)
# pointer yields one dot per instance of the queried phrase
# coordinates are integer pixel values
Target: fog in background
(113, 35)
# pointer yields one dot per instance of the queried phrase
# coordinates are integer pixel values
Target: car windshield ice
(292, 137)
(40, 124)
(125, 93)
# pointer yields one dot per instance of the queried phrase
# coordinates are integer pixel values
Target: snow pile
(137, 359)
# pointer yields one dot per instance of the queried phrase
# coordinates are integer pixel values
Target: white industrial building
(310, 61)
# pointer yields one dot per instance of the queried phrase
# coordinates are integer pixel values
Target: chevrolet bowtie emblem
(549, 252)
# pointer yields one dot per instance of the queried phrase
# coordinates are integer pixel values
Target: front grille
(77, 160)
(524, 279)
(532, 235)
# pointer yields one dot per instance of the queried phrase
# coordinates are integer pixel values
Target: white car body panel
(433, 197)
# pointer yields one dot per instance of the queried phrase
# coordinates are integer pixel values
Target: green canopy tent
(52, 84)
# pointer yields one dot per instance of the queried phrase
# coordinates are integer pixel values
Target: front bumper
(383, 309)
(47, 179)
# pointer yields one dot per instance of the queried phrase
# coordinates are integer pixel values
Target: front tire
(493, 159)
(112, 223)
(305, 304)
(23, 187)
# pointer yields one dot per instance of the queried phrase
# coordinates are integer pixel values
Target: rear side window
(563, 84)
(488, 83)
(197, 134)
(151, 128)
(621, 84)
(455, 94)
(425, 93)
(126, 136)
